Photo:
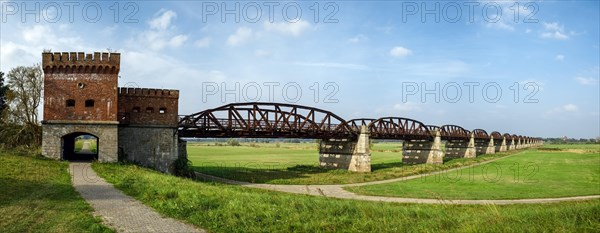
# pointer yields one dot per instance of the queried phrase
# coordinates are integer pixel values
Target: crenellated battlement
(148, 92)
(81, 62)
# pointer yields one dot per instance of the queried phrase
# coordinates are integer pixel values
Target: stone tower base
(150, 146)
(54, 136)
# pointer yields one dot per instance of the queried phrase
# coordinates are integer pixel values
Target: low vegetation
(37, 196)
(226, 208)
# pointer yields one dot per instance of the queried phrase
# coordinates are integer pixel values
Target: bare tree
(21, 127)
(26, 85)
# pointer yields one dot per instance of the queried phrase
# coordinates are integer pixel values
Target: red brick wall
(142, 99)
(80, 77)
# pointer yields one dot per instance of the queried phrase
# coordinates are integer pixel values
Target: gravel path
(119, 211)
(337, 191)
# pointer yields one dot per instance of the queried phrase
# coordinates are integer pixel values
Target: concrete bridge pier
(423, 151)
(518, 144)
(511, 144)
(349, 154)
(461, 148)
(500, 145)
(484, 146)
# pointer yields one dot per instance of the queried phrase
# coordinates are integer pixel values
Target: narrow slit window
(70, 103)
(89, 103)
(136, 109)
(162, 110)
(149, 110)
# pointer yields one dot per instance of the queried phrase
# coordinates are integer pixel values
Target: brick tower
(80, 98)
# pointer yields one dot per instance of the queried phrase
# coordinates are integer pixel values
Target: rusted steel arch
(515, 137)
(497, 135)
(264, 120)
(399, 128)
(507, 136)
(480, 134)
(355, 124)
(454, 132)
(433, 128)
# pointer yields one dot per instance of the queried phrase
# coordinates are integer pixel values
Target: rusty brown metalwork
(449, 132)
(480, 134)
(433, 128)
(399, 128)
(355, 124)
(278, 120)
(265, 120)
(497, 135)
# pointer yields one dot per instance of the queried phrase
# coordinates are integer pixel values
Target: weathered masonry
(81, 97)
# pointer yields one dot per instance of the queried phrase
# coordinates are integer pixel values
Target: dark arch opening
(80, 146)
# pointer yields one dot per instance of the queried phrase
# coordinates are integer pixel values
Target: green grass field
(37, 196)
(572, 170)
(79, 145)
(298, 163)
(226, 208)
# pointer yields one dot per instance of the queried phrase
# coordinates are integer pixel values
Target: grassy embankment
(37, 196)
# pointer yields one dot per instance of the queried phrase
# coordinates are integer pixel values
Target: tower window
(149, 110)
(89, 103)
(136, 109)
(162, 110)
(70, 103)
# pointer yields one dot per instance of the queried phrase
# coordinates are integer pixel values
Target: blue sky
(365, 58)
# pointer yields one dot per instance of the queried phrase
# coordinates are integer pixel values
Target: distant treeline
(572, 140)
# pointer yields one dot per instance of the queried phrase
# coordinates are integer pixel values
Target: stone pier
(461, 148)
(484, 146)
(350, 154)
(511, 144)
(500, 145)
(423, 151)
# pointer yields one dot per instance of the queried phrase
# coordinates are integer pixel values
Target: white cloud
(203, 43)
(36, 33)
(261, 53)
(408, 106)
(177, 40)
(500, 25)
(161, 33)
(400, 51)
(570, 108)
(293, 29)
(241, 35)
(567, 108)
(554, 31)
(560, 57)
(586, 80)
(163, 21)
(358, 38)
